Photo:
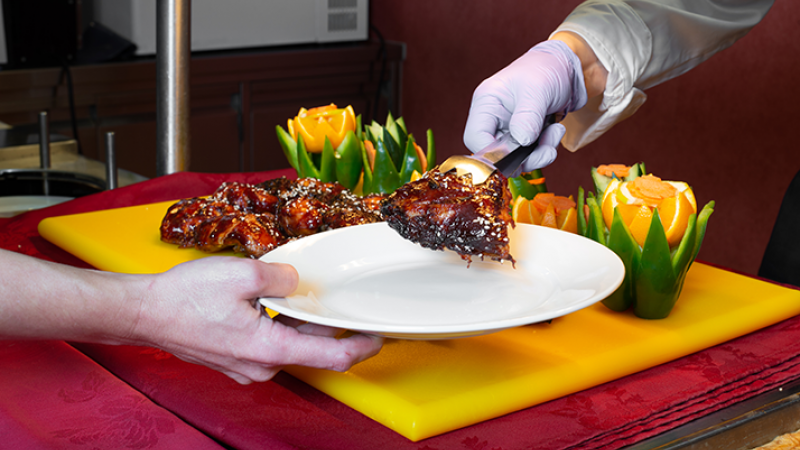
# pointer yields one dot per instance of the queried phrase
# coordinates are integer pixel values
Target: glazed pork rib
(440, 210)
(255, 219)
(443, 210)
(236, 215)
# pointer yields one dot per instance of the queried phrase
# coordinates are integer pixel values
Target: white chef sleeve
(645, 42)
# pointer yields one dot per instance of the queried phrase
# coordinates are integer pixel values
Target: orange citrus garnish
(640, 224)
(568, 221)
(674, 213)
(618, 197)
(635, 201)
(549, 217)
(315, 124)
(546, 209)
(544, 199)
(521, 211)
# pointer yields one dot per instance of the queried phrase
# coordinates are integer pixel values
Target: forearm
(643, 43)
(43, 300)
(201, 311)
(594, 73)
(646, 42)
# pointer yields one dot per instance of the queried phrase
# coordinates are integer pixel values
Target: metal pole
(44, 141)
(44, 151)
(111, 162)
(172, 103)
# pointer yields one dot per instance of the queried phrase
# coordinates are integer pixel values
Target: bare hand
(203, 312)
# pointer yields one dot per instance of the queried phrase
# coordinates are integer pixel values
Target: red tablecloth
(52, 396)
(287, 413)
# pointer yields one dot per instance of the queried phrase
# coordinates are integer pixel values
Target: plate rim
(425, 331)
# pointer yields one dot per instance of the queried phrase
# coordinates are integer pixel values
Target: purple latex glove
(547, 79)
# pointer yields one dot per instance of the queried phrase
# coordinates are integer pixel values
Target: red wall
(729, 127)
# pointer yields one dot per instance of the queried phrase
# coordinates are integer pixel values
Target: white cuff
(590, 122)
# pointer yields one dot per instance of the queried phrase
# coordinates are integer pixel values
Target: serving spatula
(505, 155)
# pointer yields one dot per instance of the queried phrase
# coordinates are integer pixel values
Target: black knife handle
(511, 162)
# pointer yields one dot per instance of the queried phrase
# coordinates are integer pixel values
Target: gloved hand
(547, 79)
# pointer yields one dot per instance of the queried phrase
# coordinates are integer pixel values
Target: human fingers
(308, 327)
(489, 114)
(319, 349)
(237, 377)
(546, 152)
(242, 372)
(323, 352)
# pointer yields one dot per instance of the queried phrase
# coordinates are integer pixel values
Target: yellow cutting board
(424, 388)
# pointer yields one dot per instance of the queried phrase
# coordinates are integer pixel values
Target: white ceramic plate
(368, 278)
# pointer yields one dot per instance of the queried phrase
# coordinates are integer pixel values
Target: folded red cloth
(287, 413)
(53, 396)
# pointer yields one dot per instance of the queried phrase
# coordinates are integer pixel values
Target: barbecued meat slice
(302, 216)
(254, 219)
(443, 210)
(310, 206)
(373, 202)
(182, 219)
(303, 187)
(251, 234)
(347, 217)
(348, 209)
(212, 225)
(247, 198)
